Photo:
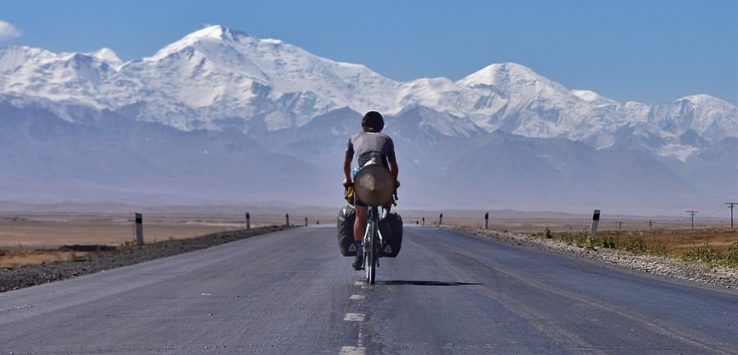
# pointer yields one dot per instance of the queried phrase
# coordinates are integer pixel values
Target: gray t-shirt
(367, 145)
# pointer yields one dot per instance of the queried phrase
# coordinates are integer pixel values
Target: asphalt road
(290, 292)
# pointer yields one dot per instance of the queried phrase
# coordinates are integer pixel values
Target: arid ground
(32, 238)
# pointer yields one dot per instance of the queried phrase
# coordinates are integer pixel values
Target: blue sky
(649, 51)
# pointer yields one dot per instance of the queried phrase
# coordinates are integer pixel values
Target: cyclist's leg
(359, 226)
(360, 223)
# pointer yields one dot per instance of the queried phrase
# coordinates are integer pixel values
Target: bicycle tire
(370, 253)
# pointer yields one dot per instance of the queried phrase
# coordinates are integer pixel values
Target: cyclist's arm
(349, 156)
(394, 170)
(347, 170)
(393, 161)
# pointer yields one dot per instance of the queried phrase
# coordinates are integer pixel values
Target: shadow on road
(427, 283)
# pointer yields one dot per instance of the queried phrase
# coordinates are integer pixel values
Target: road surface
(289, 292)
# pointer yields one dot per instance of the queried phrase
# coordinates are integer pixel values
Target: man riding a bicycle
(368, 145)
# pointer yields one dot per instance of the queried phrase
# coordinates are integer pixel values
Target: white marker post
(139, 229)
(248, 221)
(593, 228)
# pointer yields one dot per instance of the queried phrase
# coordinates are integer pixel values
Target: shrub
(731, 255)
(547, 233)
(607, 242)
(636, 246)
(705, 255)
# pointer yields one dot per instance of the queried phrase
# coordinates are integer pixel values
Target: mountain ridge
(221, 114)
(217, 74)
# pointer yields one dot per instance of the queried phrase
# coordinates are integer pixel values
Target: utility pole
(650, 224)
(620, 225)
(731, 204)
(693, 213)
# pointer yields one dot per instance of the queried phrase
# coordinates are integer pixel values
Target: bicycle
(372, 239)
(378, 192)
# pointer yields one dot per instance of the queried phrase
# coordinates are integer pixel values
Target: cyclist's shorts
(357, 202)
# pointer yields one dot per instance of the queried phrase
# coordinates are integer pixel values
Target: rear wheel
(370, 260)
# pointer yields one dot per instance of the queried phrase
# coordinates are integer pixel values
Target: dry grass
(711, 241)
(681, 240)
(49, 231)
(35, 238)
(21, 257)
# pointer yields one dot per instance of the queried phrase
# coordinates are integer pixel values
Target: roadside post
(486, 220)
(306, 221)
(248, 221)
(139, 229)
(440, 219)
(423, 221)
(287, 219)
(593, 228)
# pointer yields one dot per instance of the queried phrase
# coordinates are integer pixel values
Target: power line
(730, 205)
(693, 213)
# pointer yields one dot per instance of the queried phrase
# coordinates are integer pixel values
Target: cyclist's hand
(346, 182)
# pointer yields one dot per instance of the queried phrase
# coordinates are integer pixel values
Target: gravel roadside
(723, 277)
(16, 278)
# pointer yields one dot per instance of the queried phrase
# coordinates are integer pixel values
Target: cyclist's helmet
(373, 120)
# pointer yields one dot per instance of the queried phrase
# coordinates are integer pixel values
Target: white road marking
(357, 297)
(359, 283)
(354, 317)
(352, 350)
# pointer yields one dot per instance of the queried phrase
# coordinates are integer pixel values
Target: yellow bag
(349, 195)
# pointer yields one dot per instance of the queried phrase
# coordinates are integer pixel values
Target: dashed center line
(354, 317)
(352, 350)
(359, 349)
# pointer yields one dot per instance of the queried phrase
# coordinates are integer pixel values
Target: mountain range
(224, 116)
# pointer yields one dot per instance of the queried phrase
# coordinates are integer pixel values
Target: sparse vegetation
(25, 267)
(706, 254)
(546, 233)
(669, 243)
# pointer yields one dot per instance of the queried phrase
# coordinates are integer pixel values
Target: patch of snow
(586, 95)
(677, 151)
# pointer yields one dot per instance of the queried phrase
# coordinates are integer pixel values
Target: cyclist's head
(372, 121)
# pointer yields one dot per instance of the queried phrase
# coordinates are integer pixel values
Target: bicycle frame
(372, 243)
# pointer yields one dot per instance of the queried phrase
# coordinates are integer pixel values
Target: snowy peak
(217, 78)
(214, 31)
(500, 75)
(704, 100)
(107, 55)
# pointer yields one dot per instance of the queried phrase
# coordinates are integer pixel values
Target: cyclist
(368, 144)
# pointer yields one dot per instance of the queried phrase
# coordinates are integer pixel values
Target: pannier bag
(345, 227)
(391, 228)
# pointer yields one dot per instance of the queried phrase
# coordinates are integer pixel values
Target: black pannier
(345, 226)
(391, 228)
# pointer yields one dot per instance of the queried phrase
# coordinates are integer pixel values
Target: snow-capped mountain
(217, 78)
(293, 106)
